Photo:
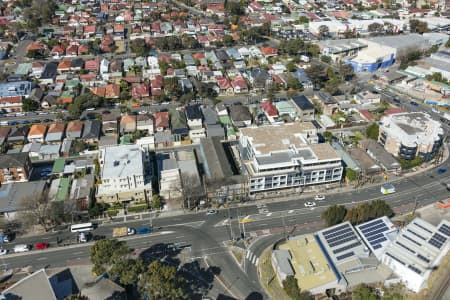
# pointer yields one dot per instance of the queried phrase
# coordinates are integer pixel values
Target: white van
(21, 248)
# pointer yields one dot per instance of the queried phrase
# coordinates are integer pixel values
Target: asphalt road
(205, 234)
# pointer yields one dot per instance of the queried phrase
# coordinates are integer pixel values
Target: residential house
(367, 97)
(286, 108)
(224, 86)
(49, 152)
(16, 89)
(109, 123)
(327, 103)
(82, 191)
(269, 52)
(270, 111)
(239, 85)
(305, 109)
(55, 133)
(15, 167)
(11, 104)
(112, 91)
(178, 123)
(18, 135)
(240, 115)
(37, 133)
(74, 129)
(383, 158)
(91, 131)
(144, 122)
(72, 50)
(260, 79)
(127, 124)
(64, 66)
(92, 66)
(140, 91)
(77, 65)
(49, 73)
(4, 131)
(195, 123)
(162, 120)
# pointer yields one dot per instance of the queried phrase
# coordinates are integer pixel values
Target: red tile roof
(162, 119)
(269, 108)
(393, 111)
(140, 90)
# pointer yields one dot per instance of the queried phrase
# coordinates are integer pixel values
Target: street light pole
(229, 223)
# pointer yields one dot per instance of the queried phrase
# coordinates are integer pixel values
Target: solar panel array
(373, 232)
(437, 240)
(445, 230)
(340, 235)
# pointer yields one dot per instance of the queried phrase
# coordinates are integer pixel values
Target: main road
(205, 235)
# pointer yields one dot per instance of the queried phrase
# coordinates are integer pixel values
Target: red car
(40, 246)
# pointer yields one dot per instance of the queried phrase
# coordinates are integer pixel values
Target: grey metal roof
(12, 194)
(282, 258)
(193, 112)
(302, 102)
(35, 286)
(210, 115)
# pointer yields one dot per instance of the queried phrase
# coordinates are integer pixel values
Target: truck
(387, 189)
(123, 231)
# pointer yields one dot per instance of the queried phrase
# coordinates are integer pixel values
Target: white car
(211, 212)
(319, 198)
(3, 251)
(310, 204)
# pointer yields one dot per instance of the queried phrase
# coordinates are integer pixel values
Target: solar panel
(362, 227)
(377, 246)
(445, 229)
(374, 237)
(378, 241)
(376, 232)
(342, 241)
(339, 233)
(340, 237)
(415, 269)
(439, 237)
(348, 254)
(435, 243)
(346, 247)
(335, 229)
(375, 228)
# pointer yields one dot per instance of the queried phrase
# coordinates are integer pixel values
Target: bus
(82, 227)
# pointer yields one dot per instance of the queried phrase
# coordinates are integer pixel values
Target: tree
(139, 47)
(328, 136)
(160, 282)
(294, 84)
(409, 164)
(364, 292)
(346, 71)
(316, 72)
(127, 271)
(292, 47)
(417, 26)
(290, 286)
(192, 189)
(228, 40)
(372, 131)
(291, 67)
(326, 59)
(447, 45)
(83, 102)
(332, 86)
(375, 28)
(324, 31)
(366, 211)
(156, 202)
(351, 175)
(334, 214)
(105, 253)
(37, 210)
(29, 105)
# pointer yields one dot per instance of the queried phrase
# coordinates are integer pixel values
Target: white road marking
(78, 253)
(41, 258)
(257, 261)
(179, 237)
(269, 214)
(291, 211)
(248, 254)
(254, 259)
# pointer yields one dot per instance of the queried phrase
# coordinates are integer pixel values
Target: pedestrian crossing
(252, 258)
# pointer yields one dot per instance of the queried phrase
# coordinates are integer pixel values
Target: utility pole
(229, 223)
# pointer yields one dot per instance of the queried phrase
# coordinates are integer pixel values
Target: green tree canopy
(350, 174)
(291, 288)
(328, 136)
(334, 214)
(294, 84)
(366, 211)
(127, 271)
(105, 253)
(372, 131)
(364, 292)
(161, 282)
(139, 47)
(29, 105)
(418, 26)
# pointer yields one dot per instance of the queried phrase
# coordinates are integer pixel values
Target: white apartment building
(287, 155)
(407, 135)
(125, 174)
(416, 251)
(170, 186)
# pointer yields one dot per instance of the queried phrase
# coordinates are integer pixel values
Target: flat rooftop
(121, 161)
(266, 139)
(310, 264)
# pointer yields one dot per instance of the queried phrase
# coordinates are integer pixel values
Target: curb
(205, 259)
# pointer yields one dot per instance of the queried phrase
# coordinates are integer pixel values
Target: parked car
(143, 230)
(413, 103)
(441, 170)
(3, 251)
(319, 197)
(211, 212)
(310, 204)
(41, 246)
(21, 248)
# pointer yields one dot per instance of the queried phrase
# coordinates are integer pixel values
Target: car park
(211, 212)
(41, 246)
(310, 204)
